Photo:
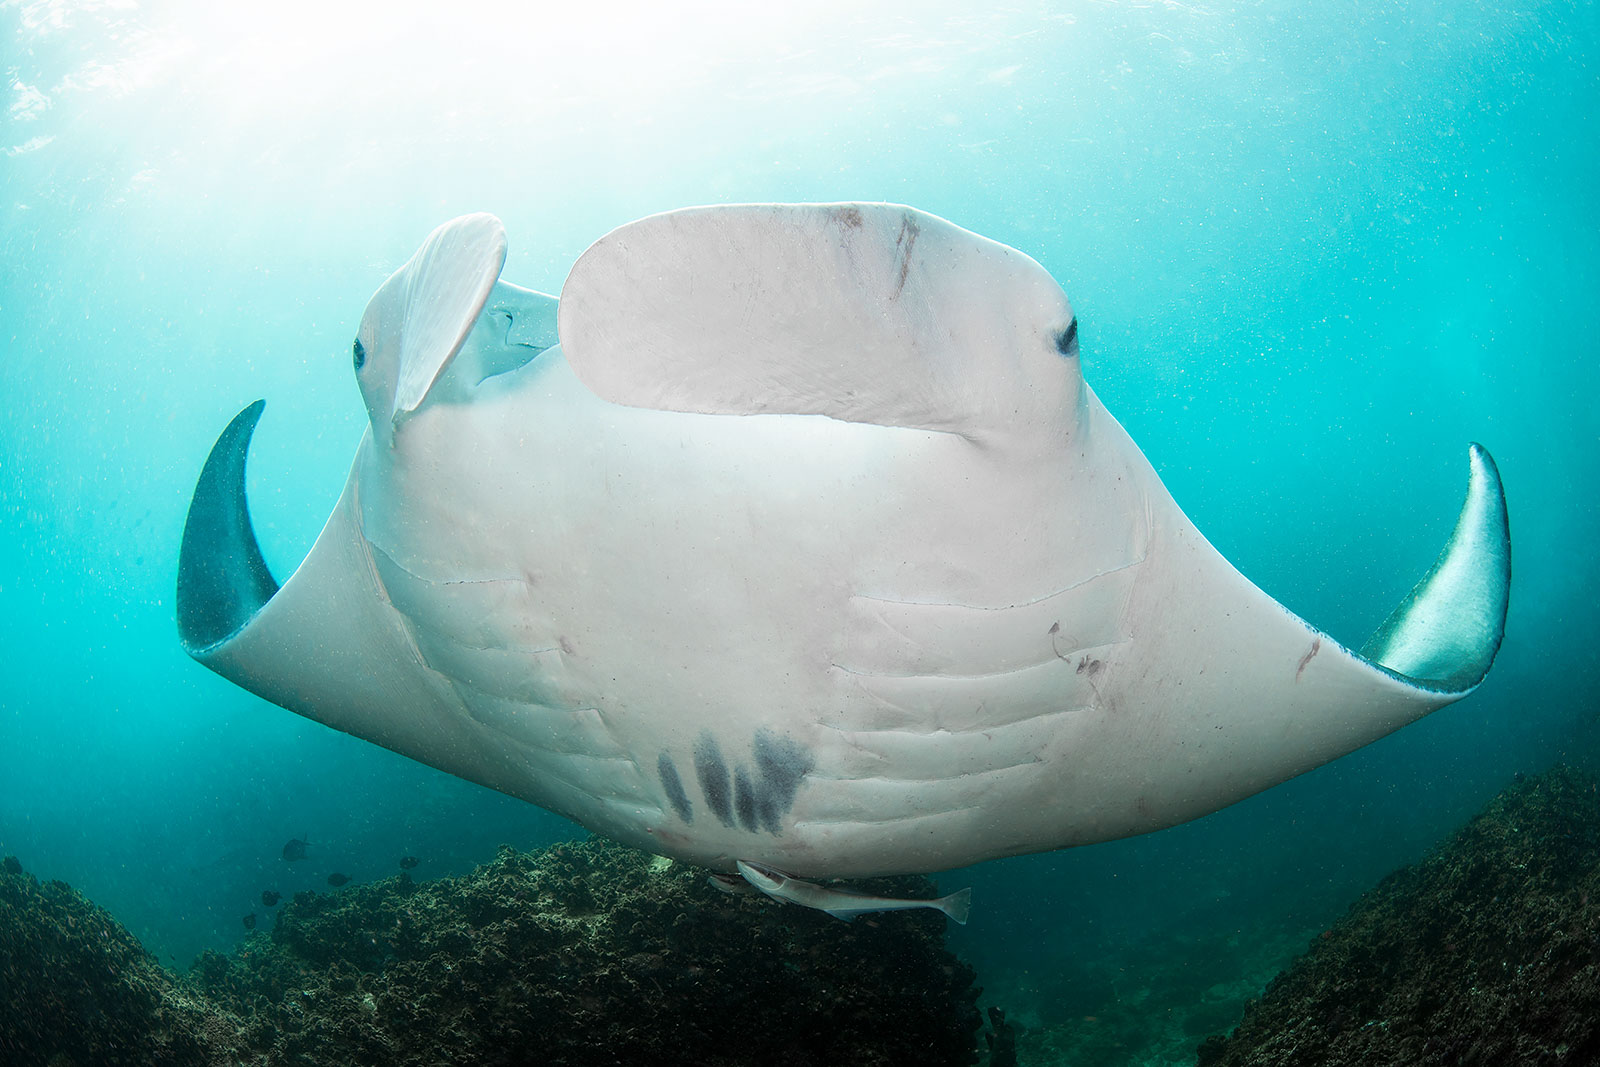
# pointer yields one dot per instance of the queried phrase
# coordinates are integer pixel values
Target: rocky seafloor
(1486, 952)
(583, 953)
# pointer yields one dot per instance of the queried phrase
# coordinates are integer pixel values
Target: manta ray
(791, 542)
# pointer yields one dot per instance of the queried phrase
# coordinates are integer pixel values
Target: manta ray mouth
(223, 581)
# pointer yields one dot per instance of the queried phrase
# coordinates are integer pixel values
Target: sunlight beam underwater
(792, 540)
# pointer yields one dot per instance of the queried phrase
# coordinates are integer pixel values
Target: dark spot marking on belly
(850, 216)
(1091, 666)
(768, 817)
(1316, 646)
(674, 787)
(781, 763)
(754, 797)
(744, 799)
(712, 773)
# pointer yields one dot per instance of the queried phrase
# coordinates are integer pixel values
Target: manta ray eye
(360, 353)
(1067, 340)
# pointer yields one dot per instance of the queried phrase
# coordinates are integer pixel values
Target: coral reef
(583, 953)
(1486, 952)
(77, 990)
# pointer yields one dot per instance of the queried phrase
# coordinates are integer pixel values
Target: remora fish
(846, 904)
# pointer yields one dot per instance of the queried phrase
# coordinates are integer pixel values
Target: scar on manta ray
(829, 562)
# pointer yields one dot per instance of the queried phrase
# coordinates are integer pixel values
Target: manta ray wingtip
(222, 578)
(1446, 633)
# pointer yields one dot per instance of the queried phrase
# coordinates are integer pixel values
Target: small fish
(295, 850)
(844, 903)
(731, 884)
(408, 862)
(250, 921)
(269, 898)
(337, 880)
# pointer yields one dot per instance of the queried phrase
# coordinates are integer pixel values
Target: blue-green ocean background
(1314, 251)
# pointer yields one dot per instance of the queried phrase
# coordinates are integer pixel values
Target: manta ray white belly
(806, 546)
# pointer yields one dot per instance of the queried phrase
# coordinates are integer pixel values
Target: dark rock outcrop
(77, 990)
(583, 953)
(1486, 952)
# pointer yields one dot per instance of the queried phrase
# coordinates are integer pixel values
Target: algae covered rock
(1486, 952)
(586, 953)
(591, 953)
(77, 990)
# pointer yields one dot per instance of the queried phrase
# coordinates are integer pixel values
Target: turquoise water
(1313, 253)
